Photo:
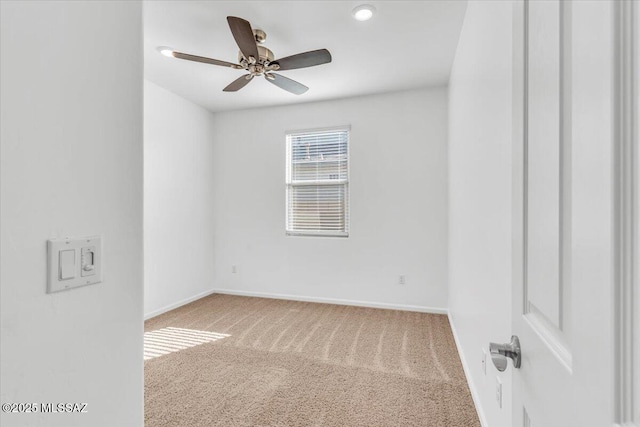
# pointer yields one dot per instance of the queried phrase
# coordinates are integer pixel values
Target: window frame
(344, 182)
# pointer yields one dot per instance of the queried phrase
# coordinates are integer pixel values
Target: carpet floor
(238, 361)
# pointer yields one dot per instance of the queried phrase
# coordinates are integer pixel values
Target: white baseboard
(170, 307)
(467, 373)
(404, 307)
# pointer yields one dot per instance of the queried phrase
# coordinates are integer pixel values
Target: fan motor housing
(264, 53)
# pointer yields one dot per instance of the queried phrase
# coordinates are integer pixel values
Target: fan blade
(196, 58)
(238, 83)
(243, 34)
(303, 60)
(286, 84)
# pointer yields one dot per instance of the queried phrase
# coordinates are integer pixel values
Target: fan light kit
(258, 60)
(364, 12)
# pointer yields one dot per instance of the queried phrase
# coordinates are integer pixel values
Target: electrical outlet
(234, 269)
(484, 361)
(402, 279)
(499, 392)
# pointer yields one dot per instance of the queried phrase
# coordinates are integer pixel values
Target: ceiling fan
(257, 59)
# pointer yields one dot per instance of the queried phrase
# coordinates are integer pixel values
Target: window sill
(317, 234)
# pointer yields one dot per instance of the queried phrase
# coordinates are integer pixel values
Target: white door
(565, 258)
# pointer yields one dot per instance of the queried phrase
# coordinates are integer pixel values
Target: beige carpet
(265, 362)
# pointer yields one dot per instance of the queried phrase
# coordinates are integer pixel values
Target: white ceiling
(407, 44)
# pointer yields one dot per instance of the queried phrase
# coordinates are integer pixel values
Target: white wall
(178, 200)
(398, 203)
(480, 198)
(71, 165)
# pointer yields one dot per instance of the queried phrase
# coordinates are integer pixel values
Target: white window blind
(318, 183)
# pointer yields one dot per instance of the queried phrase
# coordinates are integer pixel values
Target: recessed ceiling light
(364, 12)
(166, 51)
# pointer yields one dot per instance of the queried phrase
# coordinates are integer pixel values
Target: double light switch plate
(74, 262)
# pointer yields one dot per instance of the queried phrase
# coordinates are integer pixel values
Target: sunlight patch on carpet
(169, 340)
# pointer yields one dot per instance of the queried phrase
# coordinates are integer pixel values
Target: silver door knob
(500, 352)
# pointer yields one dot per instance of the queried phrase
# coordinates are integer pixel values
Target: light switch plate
(484, 361)
(83, 268)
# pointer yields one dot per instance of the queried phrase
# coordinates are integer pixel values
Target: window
(318, 183)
